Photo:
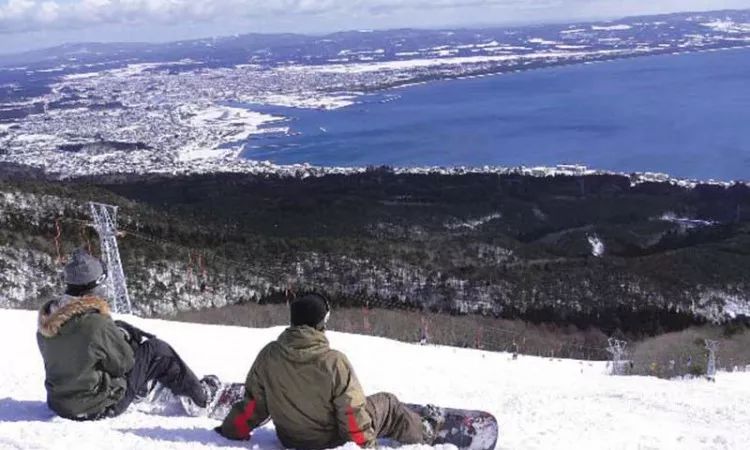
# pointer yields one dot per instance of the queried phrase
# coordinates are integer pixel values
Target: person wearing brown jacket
(313, 395)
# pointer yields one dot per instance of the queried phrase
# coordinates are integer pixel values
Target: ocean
(687, 115)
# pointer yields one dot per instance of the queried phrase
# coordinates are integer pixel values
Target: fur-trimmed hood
(55, 313)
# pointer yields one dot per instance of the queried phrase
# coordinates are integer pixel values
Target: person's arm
(355, 423)
(114, 352)
(133, 335)
(251, 412)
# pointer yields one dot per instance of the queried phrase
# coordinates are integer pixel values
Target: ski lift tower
(617, 350)
(712, 347)
(105, 223)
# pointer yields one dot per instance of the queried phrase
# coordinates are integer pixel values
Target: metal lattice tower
(617, 350)
(105, 223)
(712, 347)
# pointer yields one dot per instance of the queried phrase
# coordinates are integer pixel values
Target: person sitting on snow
(313, 396)
(95, 367)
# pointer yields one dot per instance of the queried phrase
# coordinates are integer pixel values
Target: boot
(206, 399)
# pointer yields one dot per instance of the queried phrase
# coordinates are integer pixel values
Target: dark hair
(79, 290)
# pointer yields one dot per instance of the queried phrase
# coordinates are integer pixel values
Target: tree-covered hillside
(585, 251)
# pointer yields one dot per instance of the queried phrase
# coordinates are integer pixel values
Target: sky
(28, 24)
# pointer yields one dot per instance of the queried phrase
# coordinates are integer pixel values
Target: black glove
(218, 430)
(134, 335)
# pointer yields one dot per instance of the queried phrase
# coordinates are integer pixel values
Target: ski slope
(540, 403)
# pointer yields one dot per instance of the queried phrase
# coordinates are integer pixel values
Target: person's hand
(125, 334)
(133, 334)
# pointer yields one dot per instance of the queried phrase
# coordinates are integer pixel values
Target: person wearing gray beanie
(96, 367)
(83, 274)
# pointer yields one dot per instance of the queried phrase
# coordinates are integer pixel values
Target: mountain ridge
(77, 46)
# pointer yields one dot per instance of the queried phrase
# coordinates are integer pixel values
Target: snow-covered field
(309, 100)
(409, 64)
(540, 403)
(238, 125)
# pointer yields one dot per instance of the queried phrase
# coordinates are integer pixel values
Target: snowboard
(160, 400)
(466, 429)
(227, 395)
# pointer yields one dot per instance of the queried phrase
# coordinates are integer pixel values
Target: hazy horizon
(27, 25)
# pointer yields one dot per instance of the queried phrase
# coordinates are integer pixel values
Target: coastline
(240, 124)
(552, 169)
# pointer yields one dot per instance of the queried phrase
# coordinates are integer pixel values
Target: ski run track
(540, 403)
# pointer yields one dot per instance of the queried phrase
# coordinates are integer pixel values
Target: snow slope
(540, 403)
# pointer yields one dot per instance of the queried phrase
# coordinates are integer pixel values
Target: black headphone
(328, 308)
(325, 300)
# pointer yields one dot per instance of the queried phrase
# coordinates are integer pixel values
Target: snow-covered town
(108, 114)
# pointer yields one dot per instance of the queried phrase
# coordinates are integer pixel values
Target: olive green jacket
(85, 356)
(309, 391)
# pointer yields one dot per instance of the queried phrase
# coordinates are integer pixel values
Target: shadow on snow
(12, 410)
(263, 437)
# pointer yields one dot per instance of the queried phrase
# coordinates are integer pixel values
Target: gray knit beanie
(83, 269)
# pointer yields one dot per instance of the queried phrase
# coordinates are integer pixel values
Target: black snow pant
(391, 419)
(155, 360)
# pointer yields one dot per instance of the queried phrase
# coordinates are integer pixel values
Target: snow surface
(540, 403)
(571, 47)
(685, 221)
(541, 41)
(432, 62)
(81, 76)
(473, 224)
(244, 123)
(307, 101)
(139, 68)
(621, 27)
(597, 246)
(728, 26)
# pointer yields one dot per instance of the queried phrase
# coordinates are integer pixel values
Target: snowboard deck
(162, 401)
(227, 395)
(466, 429)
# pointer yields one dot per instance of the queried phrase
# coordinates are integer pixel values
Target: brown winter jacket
(85, 356)
(310, 392)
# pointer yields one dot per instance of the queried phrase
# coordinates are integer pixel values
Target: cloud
(33, 15)
(18, 16)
